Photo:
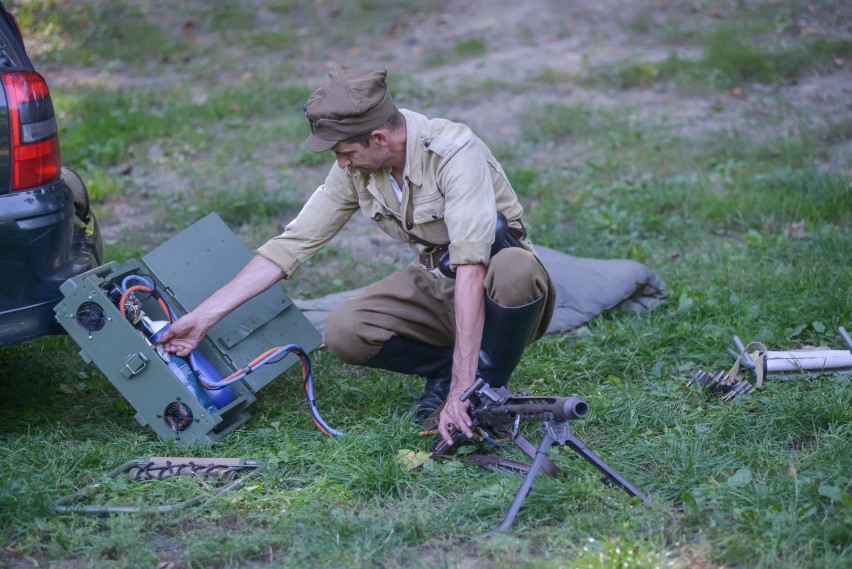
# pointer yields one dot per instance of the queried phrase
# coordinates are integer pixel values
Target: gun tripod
(558, 432)
(494, 409)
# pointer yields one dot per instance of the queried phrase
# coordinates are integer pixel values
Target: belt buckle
(428, 261)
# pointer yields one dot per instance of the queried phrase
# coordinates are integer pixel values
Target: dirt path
(521, 43)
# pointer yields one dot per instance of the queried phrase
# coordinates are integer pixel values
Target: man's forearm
(258, 275)
(469, 304)
(470, 316)
(187, 332)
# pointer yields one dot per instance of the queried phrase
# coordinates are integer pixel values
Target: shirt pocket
(370, 206)
(427, 207)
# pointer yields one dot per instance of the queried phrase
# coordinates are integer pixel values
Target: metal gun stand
(560, 433)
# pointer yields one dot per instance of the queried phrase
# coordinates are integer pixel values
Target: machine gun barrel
(534, 408)
(495, 406)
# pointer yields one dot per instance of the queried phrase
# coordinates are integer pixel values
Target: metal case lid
(198, 261)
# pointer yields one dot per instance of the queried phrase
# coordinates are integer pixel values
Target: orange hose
(255, 361)
(133, 289)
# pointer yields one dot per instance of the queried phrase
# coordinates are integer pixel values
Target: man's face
(364, 159)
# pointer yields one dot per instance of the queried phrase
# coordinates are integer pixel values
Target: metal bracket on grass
(236, 470)
(845, 335)
(740, 353)
(766, 363)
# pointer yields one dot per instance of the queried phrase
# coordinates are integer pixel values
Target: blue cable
(308, 385)
(139, 278)
(289, 348)
(173, 315)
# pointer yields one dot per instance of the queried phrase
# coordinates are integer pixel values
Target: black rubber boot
(434, 394)
(411, 357)
(506, 333)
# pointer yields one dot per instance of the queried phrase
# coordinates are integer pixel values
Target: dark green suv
(47, 231)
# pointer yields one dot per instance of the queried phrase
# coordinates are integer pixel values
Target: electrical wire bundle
(272, 355)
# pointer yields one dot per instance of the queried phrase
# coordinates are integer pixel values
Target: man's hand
(185, 334)
(454, 417)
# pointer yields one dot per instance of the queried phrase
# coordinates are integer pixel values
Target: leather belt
(518, 233)
(433, 260)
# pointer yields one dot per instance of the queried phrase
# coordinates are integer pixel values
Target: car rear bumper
(44, 243)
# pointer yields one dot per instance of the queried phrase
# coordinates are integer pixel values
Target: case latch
(134, 364)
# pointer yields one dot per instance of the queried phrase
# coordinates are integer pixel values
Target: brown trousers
(416, 304)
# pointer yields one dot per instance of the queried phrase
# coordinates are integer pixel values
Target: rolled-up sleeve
(470, 212)
(323, 215)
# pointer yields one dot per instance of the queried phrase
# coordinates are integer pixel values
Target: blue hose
(289, 348)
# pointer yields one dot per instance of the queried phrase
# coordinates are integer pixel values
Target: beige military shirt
(453, 188)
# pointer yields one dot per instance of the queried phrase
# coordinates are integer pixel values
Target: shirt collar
(416, 132)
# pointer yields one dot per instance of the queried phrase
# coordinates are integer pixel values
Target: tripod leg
(540, 456)
(580, 448)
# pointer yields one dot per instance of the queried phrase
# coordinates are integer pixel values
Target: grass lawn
(747, 216)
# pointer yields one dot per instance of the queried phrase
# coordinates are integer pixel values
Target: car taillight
(33, 130)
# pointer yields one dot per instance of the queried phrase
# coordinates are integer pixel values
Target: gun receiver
(496, 406)
(495, 410)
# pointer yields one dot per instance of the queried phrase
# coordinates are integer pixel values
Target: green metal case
(186, 270)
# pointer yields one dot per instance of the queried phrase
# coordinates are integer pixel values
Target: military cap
(352, 102)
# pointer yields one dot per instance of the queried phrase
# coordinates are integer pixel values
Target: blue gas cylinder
(198, 365)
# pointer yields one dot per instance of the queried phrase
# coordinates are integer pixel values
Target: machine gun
(496, 410)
